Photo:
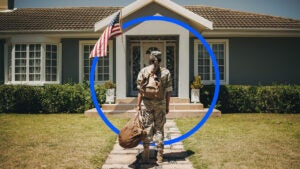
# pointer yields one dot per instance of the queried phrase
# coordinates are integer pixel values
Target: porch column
(121, 82)
(183, 76)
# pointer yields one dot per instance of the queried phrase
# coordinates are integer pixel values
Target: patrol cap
(155, 56)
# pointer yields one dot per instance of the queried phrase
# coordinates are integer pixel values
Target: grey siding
(264, 61)
(70, 60)
(2, 42)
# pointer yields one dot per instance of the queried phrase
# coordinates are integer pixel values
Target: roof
(54, 19)
(82, 19)
(231, 19)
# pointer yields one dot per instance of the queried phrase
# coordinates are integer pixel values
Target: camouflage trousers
(154, 119)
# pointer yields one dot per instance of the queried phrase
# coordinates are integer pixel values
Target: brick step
(173, 106)
(173, 113)
(133, 100)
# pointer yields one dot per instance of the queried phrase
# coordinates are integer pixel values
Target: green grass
(75, 141)
(245, 141)
(55, 141)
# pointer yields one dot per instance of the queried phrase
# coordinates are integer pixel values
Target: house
(51, 46)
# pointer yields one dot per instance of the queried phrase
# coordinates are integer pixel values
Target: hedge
(67, 98)
(254, 99)
(76, 98)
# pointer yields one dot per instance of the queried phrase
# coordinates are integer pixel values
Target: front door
(139, 57)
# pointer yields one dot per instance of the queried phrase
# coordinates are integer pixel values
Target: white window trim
(209, 41)
(43, 64)
(81, 59)
(6, 63)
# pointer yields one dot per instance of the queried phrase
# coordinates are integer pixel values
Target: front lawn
(54, 141)
(236, 141)
(75, 141)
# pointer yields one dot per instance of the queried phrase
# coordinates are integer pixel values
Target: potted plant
(196, 85)
(110, 91)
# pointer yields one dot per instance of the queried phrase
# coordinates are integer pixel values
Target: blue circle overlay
(211, 54)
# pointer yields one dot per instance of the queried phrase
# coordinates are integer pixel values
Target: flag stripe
(113, 29)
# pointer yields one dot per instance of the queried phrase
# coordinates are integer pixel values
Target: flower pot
(110, 96)
(195, 95)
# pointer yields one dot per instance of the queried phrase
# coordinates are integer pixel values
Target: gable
(157, 10)
(163, 5)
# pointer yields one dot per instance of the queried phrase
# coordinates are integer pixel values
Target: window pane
(23, 77)
(54, 76)
(87, 61)
(51, 62)
(54, 48)
(48, 77)
(203, 62)
(20, 62)
(31, 70)
(17, 77)
(17, 70)
(34, 62)
(219, 53)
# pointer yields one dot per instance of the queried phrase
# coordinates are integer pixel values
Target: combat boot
(159, 156)
(145, 156)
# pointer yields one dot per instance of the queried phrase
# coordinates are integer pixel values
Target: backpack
(152, 87)
(132, 133)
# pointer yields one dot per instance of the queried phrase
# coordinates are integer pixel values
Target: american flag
(113, 29)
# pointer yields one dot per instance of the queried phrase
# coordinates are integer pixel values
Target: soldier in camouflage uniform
(155, 110)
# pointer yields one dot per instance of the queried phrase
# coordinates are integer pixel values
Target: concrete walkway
(175, 157)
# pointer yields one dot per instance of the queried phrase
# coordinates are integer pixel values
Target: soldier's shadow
(170, 158)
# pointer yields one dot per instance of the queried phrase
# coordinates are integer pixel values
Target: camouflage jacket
(164, 77)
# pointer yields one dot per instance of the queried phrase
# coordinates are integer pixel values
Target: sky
(283, 8)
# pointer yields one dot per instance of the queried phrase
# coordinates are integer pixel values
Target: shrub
(247, 99)
(63, 98)
(67, 98)
(21, 99)
(7, 99)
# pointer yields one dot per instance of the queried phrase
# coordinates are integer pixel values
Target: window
(104, 69)
(51, 62)
(34, 64)
(203, 64)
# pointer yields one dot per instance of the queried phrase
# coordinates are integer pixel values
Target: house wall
(2, 42)
(264, 61)
(70, 60)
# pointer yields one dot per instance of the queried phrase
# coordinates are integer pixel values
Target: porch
(179, 108)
